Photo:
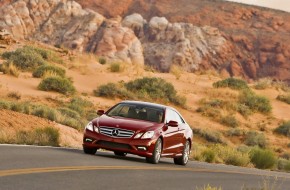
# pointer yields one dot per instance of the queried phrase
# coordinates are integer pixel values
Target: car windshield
(141, 112)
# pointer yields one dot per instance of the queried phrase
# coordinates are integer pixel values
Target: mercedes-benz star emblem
(115, 132)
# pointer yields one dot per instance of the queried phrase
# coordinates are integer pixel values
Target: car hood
(126, 123)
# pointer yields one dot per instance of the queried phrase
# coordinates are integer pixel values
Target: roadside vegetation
(74, 113)
(47, 136)
(155, 89)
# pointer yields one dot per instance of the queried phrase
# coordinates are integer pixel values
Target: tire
(154, 159)
(185, 155)
(91, 151)
(117, 153)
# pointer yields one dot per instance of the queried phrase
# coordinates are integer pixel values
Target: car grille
(108, 144)
(116, 132)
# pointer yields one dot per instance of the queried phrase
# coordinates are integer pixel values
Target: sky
(274, 4)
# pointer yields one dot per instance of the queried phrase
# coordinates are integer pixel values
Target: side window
(172, 115)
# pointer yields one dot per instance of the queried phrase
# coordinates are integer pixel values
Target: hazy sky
(275, 4)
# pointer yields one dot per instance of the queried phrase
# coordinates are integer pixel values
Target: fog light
(88, 140)
(143, 148)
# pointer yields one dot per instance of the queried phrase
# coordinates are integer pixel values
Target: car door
(171, 136)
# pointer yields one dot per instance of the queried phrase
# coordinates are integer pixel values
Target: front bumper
(141, 147)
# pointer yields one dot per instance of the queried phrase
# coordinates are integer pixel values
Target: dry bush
(176, 71)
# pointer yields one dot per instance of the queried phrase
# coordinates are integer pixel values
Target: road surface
(47, 168)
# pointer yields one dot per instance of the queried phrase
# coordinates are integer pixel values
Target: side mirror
(100, 112)
(172, 123)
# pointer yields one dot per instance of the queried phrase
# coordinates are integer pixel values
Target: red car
(140, 128)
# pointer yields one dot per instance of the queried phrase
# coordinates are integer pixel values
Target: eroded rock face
(119, 43)
(181, 44)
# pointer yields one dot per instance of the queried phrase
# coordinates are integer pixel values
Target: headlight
(148, 135)
(90, 126)
(138, 135)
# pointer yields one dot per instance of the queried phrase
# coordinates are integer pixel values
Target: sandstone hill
(233, 39)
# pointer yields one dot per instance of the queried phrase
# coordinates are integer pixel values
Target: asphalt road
(35, 168)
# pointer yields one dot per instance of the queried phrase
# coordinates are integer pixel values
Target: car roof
(160, 106)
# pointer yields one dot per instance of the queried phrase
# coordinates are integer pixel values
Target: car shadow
(129, 157)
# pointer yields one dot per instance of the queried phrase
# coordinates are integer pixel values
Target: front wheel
(91, 151)
(185, 155)
(154, 159)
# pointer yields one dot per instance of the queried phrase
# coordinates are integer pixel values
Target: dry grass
(10, 69)
(176, 71)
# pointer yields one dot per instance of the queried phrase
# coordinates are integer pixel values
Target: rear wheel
(154, 159)
(89, 150)
(117, 153)
(185, 155)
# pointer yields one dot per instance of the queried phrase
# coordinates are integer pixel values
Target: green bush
(115, 67)
(112, 90)
(284, 98)
(5, 104)
(284, 129)
(57, 84)
(26, 58)
(235, 132)
(40, 71)
(209, 135)
(233, 157)
(46, 112)
(208, 155)
(69, 113)
(102, 60)
(79, 105)
(263, 159)
(233, 83)
(254, 138)
(254, 102)
(244, 110)
(230, 121)
(156, 89)
(283, 164)
(47, 136)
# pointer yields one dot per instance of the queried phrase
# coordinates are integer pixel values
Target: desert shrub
(112, 90)
(102, 60)
(79, 105)
(244, 110)
(263, 159)
(284, 129)
(233, 83)
(263, 83)
(244, 148)
(47, 136)
(46, 112)
(254, 138)
(232, 156)
(69, 113)
(74, 123)
(235, 132)
(40, 71)
(57, 84)
(208, 155)
(156, 89)
(230, 121)
(283, 164)
(209, 111)
(14, 95)
(9, 69)
(26, 58)
(5, 104)
(284, 98)
(115, 67)
(209, 135)
(255, 102)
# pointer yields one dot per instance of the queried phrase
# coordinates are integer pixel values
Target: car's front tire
(185, 155)
(117, 153)
(91, 151)
(154, 159)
